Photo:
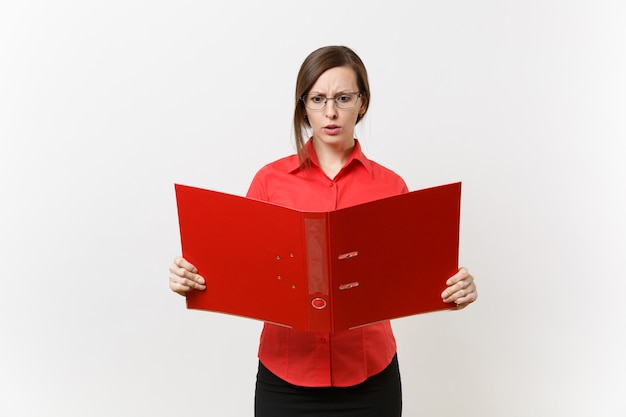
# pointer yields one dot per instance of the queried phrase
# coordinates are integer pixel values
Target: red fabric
(321, 359)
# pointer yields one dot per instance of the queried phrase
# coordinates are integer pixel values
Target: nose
(331, 109)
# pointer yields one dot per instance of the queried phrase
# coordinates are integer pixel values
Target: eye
(344, 98)
(316, 99)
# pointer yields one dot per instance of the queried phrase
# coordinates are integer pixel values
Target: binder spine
(319, 306)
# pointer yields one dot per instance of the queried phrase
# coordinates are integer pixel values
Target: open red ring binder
(321, 271)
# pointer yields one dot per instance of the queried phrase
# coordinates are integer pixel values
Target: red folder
(321, 271)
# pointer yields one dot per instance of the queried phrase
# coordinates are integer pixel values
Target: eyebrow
(319, 93)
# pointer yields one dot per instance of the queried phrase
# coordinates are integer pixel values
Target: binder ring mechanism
(349, 285)
(348, 255)
(341, 257)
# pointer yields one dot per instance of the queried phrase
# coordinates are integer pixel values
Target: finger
(464, 297)
(181, 284)
(185, 286)
(459, 290)
(187, 279)
(461, 274)
(457, 286)
(181, 288)
(184, 272)
(184, 263)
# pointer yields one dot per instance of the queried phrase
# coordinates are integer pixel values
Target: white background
(105, 104)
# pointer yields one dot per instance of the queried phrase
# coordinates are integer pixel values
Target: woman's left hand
(461, 289)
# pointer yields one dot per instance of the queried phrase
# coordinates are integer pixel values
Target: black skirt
(378, 396)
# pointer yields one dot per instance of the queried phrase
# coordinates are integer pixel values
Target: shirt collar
(356, 155)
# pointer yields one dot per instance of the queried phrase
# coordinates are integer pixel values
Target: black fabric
(378, 396)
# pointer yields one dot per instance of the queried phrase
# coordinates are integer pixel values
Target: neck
(332, 157)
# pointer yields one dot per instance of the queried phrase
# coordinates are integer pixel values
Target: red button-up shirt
(342, 358)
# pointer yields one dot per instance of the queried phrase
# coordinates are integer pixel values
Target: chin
(336, 140)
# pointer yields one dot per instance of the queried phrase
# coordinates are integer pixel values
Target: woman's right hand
(184, 277)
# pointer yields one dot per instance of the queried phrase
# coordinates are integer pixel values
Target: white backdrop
(105, 104)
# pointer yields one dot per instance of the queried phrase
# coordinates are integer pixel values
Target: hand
(184, 277)
(461, 289)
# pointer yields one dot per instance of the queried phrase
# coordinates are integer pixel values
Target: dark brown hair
(318, 62)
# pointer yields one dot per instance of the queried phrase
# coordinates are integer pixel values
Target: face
(332, 125)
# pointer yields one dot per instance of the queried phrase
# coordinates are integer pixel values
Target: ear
(362, 110)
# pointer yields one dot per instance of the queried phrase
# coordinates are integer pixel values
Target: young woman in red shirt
(347, 373)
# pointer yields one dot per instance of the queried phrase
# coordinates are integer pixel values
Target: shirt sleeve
(403, 188)
(258, 189)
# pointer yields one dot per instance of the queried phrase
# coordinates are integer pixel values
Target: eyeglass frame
(334, 98)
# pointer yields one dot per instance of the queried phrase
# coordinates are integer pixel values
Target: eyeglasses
(342, 100)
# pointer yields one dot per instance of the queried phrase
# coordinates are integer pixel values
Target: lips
(331, 129)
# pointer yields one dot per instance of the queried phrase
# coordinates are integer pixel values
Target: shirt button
(331, 184)
(322, 340)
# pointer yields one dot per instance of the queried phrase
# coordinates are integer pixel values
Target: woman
(347, 373)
